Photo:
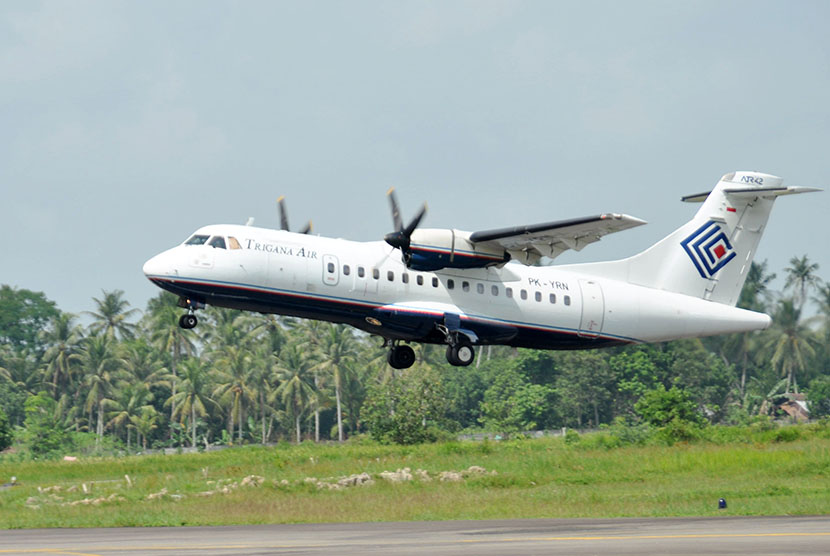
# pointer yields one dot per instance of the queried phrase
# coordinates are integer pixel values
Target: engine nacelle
(437, 248)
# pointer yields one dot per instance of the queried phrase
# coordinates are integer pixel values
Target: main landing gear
(400, 356)
(460, 353)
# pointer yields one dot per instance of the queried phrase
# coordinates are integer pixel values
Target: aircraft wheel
(401, 357)
(461, 354)
(188, 321)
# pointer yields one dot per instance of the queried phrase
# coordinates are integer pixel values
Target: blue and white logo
(709, 249)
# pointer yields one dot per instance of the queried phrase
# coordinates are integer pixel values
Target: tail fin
(708, 257)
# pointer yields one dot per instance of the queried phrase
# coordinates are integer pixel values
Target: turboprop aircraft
(465, 289)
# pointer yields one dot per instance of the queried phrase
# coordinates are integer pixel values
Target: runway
(670, 536)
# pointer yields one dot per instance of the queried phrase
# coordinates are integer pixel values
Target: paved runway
(712, 536)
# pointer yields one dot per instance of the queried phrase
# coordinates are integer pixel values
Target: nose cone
(159, 266)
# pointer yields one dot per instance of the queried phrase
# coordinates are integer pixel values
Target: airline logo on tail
(709, 248)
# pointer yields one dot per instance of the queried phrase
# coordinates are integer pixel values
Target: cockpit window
(233, 243)
(197, 240)
(217, 241)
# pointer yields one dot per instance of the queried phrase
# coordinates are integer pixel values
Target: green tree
(512, 403)
(407, 408)
(584, 385)
(672, 412)
(23, 314)
(44, 436)
(818, 394)
(63, 338)
(6, 436)
(232, 375)
(100, 366)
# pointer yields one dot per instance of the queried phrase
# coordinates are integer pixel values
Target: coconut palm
(337, 351)
(112, 312)
(232, 374)
(801, 276)
(192, 398)
(100, 367)
(790, 342)
(163, 322)
(145, 424)
(64, 339)
(130, 401)
(296, 390)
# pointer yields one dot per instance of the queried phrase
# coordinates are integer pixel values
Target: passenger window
(480, 288)
(420, 280)
(538, 296)
(346, 270)
(494, 290)
(567, 300)
(553, 298)
(361, 272)
(465, 286)
(523, 294)
(197, 240)
(390, 276)
(405, 278)
(330, 268)
(434, 282)
(233, 243)
(218, 242)
(450, 284)
(508, 292)
(376, 274)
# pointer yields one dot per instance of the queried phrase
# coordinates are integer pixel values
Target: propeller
(284, 218)
(400, 238)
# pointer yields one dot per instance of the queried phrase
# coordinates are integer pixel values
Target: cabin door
(593, 309)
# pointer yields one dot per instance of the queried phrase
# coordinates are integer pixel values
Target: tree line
(133, 380)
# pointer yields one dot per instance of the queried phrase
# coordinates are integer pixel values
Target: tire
(461, 354)
(401, 357)
(188, 321)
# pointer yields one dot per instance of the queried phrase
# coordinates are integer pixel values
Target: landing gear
(461, 353)
(400, 357)
(188, 321)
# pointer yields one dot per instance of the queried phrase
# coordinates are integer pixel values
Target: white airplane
(462, 289)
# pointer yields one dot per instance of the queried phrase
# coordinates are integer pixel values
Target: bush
(672, 412)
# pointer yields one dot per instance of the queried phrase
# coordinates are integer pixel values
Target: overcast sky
(124, 126)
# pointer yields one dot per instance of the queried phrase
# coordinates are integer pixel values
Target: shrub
(5, 431)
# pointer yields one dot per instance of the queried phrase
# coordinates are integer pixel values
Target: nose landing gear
(189, 320)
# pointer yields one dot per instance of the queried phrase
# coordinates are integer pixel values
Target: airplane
(466, 289)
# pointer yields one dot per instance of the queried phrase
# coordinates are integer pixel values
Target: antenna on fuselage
(250, 221)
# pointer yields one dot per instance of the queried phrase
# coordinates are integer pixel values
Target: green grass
(534, 479)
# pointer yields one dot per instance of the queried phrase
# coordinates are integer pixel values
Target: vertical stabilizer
(708, 257)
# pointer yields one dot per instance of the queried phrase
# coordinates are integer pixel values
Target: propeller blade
(415, 221)
(396, 211)
(283, 214)
(307, 229)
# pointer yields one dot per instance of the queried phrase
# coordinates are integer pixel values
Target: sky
(124, 126)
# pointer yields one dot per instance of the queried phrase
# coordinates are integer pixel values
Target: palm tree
(163, 320)
(296, 390)
(130, 401)
(233, 366)
(801, 276)
(63, 338)
(112, 314)
(791, 341)
(100, 366)
(337, 352)
(20, 367)
(193, 398)
(263, 381)
(145, 424)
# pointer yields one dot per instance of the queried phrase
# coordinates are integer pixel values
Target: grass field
(521, 479)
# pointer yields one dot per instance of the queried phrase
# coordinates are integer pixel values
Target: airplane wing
(528, 244)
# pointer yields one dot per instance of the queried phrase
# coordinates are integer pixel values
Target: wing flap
(550, 239)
